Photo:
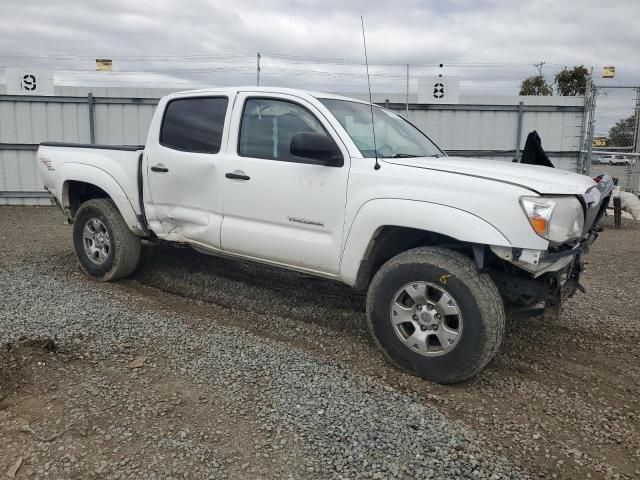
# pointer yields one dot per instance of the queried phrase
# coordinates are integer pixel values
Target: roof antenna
(373, 127)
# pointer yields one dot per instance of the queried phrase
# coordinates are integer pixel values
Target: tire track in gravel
(343, 424)
(555, 400)
(556, 373)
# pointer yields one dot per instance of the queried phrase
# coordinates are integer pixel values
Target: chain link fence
(612, 142)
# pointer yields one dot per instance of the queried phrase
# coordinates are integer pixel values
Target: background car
(614, 160)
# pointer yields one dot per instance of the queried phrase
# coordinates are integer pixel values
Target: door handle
(237, 175)
(159, 168)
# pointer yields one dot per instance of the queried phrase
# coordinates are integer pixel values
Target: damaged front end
(556, 281)
(527, 277)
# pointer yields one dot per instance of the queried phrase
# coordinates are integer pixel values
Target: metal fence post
(636, 130)
(519, 130)
(92, 127)
(584, 128)
(634, 174)
(592, 125)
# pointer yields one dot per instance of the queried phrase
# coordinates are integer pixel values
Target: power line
(191, 57)
(250, 56)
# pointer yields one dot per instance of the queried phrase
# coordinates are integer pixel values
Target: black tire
(124, 251)
(476, 296)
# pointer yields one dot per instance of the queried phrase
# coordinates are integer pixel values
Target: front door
(277, 206)
(183, 170)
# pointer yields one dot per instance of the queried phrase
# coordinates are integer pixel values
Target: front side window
(194, 124)
(268, 125)
(394, 136)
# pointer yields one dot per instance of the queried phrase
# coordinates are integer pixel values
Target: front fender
(79, 172)
(430, 217)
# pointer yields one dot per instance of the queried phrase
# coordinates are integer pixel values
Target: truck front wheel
(435, 315)
(105, 247)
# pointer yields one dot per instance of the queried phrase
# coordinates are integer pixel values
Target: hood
(542, 180)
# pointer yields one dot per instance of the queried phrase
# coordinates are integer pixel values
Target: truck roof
(291, 91)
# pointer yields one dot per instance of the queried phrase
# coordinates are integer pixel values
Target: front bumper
(537, 262)
(556, 261)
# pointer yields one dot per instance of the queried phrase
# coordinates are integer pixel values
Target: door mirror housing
(318, 147)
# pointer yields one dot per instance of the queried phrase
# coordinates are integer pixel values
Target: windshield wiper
(403, 155)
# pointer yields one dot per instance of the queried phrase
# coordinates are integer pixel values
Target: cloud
(168, 39)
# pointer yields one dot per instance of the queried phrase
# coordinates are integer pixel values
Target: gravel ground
(200, 367)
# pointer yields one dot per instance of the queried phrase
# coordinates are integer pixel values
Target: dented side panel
(184, 203)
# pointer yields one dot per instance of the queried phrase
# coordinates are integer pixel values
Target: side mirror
(316, 146)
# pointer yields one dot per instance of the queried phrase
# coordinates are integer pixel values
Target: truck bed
(117, 168)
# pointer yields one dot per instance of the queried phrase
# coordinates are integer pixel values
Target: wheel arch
(384, 228)
(75, 193)
(84, 182)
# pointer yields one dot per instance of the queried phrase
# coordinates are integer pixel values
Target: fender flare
(430, 217)
(77, 172)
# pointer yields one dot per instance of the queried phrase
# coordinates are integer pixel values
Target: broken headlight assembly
(557, 219)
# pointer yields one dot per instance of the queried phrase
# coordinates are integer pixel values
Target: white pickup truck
(298, 180)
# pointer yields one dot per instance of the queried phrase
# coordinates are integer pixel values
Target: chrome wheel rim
(96, 241)
(426, 318)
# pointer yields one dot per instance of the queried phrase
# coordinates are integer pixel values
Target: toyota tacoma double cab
(342, 189)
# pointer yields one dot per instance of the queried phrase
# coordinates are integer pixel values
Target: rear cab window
(194, 124)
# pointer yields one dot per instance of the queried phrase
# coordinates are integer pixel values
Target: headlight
(558, 219)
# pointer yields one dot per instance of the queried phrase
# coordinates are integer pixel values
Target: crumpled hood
(543, 180)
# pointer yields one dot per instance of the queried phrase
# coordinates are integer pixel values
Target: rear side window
(194, 124)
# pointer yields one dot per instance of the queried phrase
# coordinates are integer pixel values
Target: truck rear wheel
(435, 315)
(105, 247)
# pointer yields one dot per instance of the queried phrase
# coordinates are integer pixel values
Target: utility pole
(258, 69)
(407, 96)
(539, 66)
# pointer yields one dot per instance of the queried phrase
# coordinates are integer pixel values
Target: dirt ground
(560, 400)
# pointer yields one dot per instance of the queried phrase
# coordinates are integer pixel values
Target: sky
(491, 44)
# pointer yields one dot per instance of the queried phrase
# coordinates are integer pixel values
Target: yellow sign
(608, 72)
(103, 64)
(600, 141)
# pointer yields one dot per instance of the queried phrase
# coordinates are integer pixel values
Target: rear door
(183, 169)
(277, 206)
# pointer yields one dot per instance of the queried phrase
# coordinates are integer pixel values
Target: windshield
(395, 137)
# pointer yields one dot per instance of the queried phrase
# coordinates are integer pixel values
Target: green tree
(572, 81)
(621, 134)
(535, 85)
